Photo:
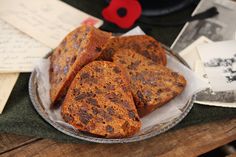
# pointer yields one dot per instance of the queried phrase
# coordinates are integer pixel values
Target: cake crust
(141, 44)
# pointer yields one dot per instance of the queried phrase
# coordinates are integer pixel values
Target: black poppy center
(122, 12)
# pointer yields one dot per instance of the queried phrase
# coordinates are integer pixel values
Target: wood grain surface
(190, 141)
(9, 142)
(232, 155)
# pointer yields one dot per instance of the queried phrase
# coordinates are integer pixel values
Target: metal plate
(153, 131)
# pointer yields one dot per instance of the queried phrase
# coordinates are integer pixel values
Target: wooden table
(190, 141)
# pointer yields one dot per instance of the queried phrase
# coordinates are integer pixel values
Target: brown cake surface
(99, 101)
(142, 44)
(152, 85)
(78, 48)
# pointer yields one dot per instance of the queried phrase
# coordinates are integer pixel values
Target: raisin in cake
(78, 48)
(142, 44)
(99, 101)
(152, 85)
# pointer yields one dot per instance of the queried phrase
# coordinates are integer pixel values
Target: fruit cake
(78, 48)
(99, 101)
(142, 44)
(152, 85)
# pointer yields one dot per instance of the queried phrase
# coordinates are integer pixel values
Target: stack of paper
(28, 31)
(215, 63)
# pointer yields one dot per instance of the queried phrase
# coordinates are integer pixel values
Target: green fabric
(19, 116)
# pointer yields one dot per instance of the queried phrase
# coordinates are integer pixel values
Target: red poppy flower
(122, 12)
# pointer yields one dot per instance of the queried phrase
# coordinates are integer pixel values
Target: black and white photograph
(206, 97)
(196, 29)
(219, 61)
(209, 97)
(217, 28)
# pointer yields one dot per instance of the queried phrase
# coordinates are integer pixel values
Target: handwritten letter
(18, 51)
(48, 21)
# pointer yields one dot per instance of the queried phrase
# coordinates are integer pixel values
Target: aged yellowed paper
(7, 82)
(18, 51)
(48, 21)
